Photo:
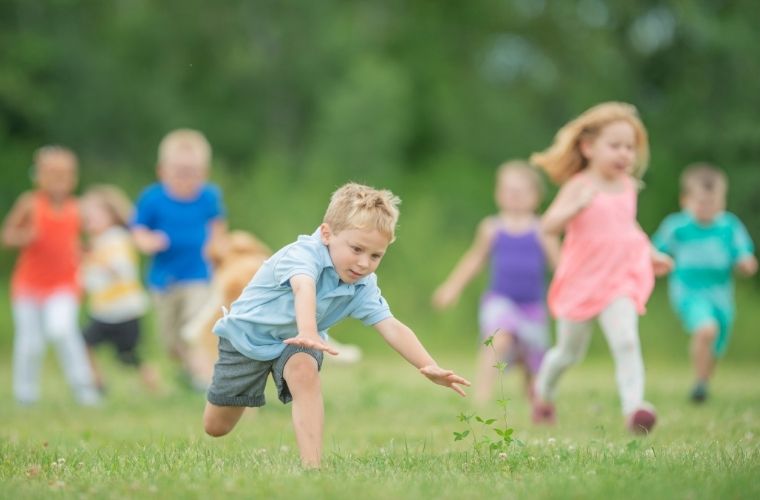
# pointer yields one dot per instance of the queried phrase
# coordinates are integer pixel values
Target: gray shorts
(240, 381)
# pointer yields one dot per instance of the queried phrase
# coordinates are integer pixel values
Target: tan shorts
(175, 307)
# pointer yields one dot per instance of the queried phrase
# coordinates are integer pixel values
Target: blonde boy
(279, 323)
(707, 244)
(174, 221)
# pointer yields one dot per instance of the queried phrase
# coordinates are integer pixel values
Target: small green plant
(485, 443)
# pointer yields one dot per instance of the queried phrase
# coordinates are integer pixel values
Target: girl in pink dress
(607, 264)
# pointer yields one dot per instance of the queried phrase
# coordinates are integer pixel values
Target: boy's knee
(301, 370)
(707, 333)
(214, 428)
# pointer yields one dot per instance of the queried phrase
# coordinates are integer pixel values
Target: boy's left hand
(311, 342)
(446, 378)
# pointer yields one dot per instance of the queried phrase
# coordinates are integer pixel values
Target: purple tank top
(518, 266)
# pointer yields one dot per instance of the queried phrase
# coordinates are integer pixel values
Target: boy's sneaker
(699, 393)
(543, 412)
(642, 420)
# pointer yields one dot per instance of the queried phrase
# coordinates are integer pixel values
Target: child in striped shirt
(110, 270)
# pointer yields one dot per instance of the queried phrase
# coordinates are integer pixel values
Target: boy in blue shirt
(707, 244)
(175, 219)
(279, 324)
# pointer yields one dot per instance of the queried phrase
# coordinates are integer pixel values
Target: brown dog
(235, 259)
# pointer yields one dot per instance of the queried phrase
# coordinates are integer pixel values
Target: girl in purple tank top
(512, 308)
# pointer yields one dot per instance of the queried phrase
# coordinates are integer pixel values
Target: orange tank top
(50, 263)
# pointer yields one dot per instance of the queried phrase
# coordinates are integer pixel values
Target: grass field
(389, 434)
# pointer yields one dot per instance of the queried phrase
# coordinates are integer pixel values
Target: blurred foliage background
(425, 98)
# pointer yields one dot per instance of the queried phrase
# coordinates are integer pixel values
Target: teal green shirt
(704, 255)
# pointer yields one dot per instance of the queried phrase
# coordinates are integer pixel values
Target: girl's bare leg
(486, 372)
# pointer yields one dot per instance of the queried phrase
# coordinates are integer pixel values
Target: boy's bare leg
(302, 376)
(487, 359)
(220, 420)
(701, 352)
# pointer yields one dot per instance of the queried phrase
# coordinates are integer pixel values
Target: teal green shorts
(697, 312)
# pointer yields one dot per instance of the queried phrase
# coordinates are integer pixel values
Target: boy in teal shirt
(707, 244)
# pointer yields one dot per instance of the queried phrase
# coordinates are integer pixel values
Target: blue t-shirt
(186, 224)
(264, 315)
(704, 255)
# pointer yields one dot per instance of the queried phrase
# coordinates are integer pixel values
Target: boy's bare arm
(305, 298)
(18, 230)
(405, 342)
(148, 241)
(747, 266)
(216, 234)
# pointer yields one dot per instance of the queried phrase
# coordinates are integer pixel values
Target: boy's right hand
(151, 242)
(447, 378)
(311, 342)
(747, 266)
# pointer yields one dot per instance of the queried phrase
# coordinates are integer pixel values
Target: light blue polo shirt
(264, 314)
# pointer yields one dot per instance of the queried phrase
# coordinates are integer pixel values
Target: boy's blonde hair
(564, 158)
(527, 170)
(114, 200)
(185, 139)
(355, 206)
(703, 177)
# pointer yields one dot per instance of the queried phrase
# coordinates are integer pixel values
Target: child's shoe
(543, 412)
(699, 393)
(642, 420)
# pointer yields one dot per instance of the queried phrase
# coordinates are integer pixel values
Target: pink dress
(605, 255)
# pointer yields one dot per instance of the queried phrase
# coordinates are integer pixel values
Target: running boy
(175, 219)
(280, 321)
(707, 244)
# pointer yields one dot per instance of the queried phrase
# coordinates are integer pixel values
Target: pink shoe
(642, 420)
(543, 412)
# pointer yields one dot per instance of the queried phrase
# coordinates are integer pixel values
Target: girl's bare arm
(467, 268)
(572, 197)
(18, 229)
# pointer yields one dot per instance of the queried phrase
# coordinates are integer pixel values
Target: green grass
(389, 434)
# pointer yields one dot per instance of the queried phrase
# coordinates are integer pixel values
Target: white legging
(52, 319)
(619, 322)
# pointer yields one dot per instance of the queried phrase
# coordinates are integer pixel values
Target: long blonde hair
(564, 158)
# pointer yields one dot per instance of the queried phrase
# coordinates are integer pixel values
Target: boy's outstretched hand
(311, 342)
(445, 377)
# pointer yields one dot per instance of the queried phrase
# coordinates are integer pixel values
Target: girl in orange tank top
(49, 263)
(44, 225)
